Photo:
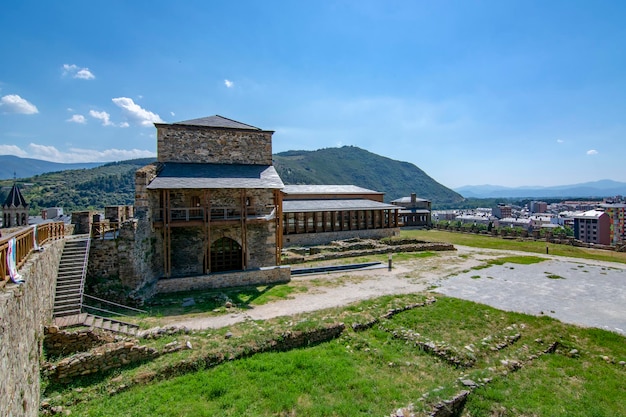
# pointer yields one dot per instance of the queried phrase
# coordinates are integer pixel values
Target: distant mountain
(80, 189)
(356, 166)
(602, 188)
(27, 167)
(114, 183)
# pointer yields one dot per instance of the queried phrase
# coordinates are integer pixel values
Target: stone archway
(226, 255)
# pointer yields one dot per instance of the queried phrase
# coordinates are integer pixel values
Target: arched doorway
(225, 255)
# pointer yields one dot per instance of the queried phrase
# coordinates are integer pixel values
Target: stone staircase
(71, 277)
(68, 301)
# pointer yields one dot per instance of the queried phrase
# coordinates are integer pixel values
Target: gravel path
(588, 293)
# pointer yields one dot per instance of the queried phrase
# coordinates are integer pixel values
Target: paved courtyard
(573, 291)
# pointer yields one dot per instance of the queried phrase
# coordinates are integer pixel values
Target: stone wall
(62, 342)
(121, 269)
(103, 358)
(24, 309)
(261, 276)
(213, 145)
(312, 239)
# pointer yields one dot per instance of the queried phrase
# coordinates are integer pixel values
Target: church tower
(15, 209)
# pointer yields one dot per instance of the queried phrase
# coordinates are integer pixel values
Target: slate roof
(294, 206)
(407, 200)
(217, 121)
(327, 189)
(15, 198)
(414, 211)
(204, 176)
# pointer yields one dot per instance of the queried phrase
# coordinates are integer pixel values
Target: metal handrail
(84, 271)
(115, 304)
(105, 311)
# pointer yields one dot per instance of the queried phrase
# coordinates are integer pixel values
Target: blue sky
(472, 92)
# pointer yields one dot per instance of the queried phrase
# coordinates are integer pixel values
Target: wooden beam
(167, 235)
(244, 232)
(206, 267)
(278, 204)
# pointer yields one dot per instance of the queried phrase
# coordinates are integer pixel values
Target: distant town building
(593, 226)
(502, 211)
(523, 223)
(538, 207)
(617, 231)
(415, 212)
(15, 209)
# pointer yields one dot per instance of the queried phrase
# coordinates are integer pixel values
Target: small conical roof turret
(15, 198)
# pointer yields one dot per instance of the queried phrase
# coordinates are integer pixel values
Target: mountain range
(594, 189)
(113, 183)
(96, 185)
(27, 167)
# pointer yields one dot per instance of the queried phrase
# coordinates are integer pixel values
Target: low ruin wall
(59, 342)
(24, 309)
(261, 276)
(312, 239)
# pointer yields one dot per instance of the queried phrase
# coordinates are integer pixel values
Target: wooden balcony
(192, 216)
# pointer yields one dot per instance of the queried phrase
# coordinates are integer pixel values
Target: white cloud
(103, 116)
(13, 103)
(136, 113)
(77, 118)
(124, 124)
(228, 83)
(84, 74)
(592, 152)
(50, 153)
(172, 113)
(75, 72)
(560, 141)
(12, 150)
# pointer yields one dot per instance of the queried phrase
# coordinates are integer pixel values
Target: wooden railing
(186, 214)
(105, 230)
(25, 243)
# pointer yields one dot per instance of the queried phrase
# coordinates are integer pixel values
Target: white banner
(11, 264)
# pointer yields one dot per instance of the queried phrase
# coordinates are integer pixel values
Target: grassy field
(483, 241)
(411, 361)
(380, 370)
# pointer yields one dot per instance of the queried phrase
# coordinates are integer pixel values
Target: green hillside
(356, 166)
(114, 183)
(80, 189)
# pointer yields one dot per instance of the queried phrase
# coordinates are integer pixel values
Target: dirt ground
(583, 292)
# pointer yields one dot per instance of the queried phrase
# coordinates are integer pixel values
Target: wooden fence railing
(105, 230)
(25, 243)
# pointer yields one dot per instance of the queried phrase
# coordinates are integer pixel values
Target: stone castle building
(212, 201)
(213, 212)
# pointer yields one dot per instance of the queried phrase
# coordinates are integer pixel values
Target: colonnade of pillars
(333, 221)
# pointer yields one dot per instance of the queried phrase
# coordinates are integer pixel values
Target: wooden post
(244, 232)
(167, 234)
(207, 231)
(278, 204)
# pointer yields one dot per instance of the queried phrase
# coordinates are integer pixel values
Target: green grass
(482, 241)
(207, 301)
(520, 260)
(374, 372)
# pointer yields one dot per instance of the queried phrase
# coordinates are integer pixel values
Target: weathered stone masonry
(24, 309)
(184, 143)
